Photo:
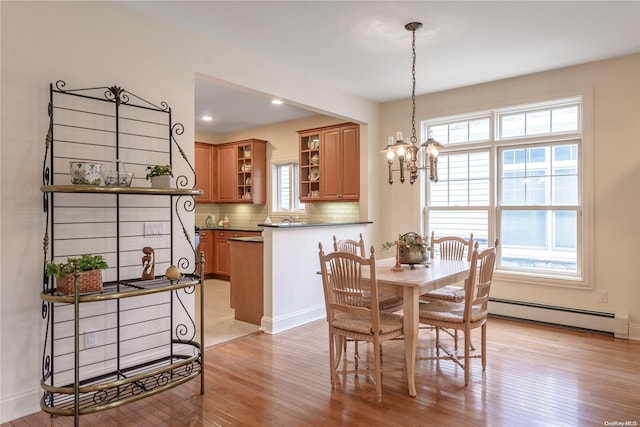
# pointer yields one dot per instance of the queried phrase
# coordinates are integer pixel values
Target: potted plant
(160, 176)
(412, 248)
(90, 268)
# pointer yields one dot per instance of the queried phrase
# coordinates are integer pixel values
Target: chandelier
(411, 157)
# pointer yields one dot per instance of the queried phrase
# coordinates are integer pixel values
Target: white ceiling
(362, 46)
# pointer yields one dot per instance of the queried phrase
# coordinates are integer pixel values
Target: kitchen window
(286, 197)
(517, 176)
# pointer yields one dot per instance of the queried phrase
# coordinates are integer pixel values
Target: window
(286, 188)
(519, 180)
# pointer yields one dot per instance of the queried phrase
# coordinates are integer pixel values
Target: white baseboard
(20, 405)
(292, 320)
(634, 331)
(595, 321)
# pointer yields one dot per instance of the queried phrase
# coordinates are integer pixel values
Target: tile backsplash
(248, 215)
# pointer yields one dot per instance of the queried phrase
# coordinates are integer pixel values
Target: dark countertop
(247, 239)
(232, 228)
(281, 225)
(311, 224)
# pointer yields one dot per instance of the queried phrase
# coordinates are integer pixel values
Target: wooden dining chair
(467, 315)
(348, 315)
(386, 302)
(454, 248)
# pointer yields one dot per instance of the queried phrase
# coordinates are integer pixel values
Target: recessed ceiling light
(207, 118)
(276, 101)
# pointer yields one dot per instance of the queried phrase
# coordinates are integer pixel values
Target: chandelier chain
(414, 140)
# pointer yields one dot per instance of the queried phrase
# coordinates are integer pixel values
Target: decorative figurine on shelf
(148, 263)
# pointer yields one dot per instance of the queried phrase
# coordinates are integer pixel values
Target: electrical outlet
(603, 296)
(90, 338)
(153, 228)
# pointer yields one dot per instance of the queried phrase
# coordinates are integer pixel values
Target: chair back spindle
(452, 247)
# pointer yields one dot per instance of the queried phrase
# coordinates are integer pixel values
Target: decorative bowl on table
(411, 249)
(85, 173)
(412, 255)
(117, 179)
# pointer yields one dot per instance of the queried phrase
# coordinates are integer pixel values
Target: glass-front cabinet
(241, 172)
(330, 163)
(310, 166)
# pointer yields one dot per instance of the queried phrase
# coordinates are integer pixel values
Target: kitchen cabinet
(204, 171)
(330, 163)
(241, 172)
(247, 289)
(207, 246)
(221, 250)
(226, 174)
(134, 336)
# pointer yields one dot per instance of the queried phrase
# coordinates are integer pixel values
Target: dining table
(410, 283)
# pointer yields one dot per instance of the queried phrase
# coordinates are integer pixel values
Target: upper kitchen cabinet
(242, 172)
(237, 171)
(204, 171)
(227, 182)
(330, 163)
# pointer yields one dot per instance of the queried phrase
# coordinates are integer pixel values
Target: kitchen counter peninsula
(293, 294)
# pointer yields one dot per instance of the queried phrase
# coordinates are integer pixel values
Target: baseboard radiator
(580, 319)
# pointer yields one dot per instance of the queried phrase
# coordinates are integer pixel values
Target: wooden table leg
(411, 301)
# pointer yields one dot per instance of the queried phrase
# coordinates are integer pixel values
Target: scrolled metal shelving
(151, 342)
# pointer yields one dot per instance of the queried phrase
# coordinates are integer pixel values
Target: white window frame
(585, 250)
(294, 188)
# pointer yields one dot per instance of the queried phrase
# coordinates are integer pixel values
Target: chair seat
(450, 293)
(386, 302)
(451, 312)
(362, 324)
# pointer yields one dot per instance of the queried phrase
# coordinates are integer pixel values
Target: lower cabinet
(207, 246)
(247, 288)
(221, 250)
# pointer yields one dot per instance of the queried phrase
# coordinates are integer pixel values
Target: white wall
(612, 128)
(91, 44)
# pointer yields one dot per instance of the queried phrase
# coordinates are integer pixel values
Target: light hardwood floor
(536, 376)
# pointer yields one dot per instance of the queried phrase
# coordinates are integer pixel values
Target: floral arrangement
(158, 171)
(409, 240)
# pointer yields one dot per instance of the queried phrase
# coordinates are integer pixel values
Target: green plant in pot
(160, 176)
(90, 268)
